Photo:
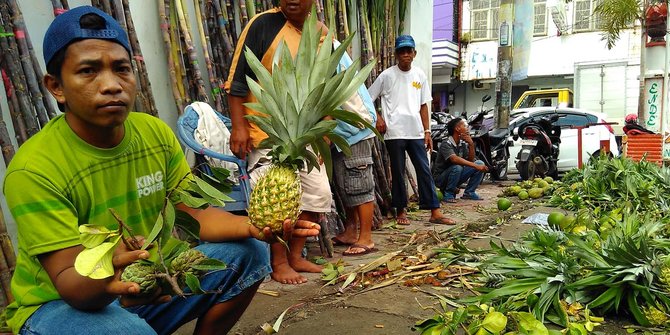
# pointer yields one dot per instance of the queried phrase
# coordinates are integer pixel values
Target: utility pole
(642, 114)
(504, 77)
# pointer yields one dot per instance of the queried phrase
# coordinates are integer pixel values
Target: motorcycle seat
(498, 133)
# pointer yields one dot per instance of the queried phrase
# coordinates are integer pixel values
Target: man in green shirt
(98, 155)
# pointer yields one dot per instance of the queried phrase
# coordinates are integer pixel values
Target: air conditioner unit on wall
(477, 85)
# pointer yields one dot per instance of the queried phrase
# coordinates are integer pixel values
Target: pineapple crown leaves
(300, 98)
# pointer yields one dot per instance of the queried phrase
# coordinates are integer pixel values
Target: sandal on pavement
(443, 220)
(366, 250)
(403, 221)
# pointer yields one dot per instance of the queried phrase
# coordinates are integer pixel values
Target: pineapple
(294, 100)
(664, 272)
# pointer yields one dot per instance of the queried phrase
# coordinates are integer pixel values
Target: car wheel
(527, 168)
(596, 156)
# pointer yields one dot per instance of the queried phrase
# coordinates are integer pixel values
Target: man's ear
(55, 87)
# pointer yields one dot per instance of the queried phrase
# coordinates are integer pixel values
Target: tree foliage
(617, 15)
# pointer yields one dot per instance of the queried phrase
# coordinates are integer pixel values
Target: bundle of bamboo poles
(376, 23)
(216, 29)
(120, 10)
(27, 98)
(187, 81)
(7, 264)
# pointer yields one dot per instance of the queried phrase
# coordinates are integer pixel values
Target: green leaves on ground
(331, 272)
(617, 262)
(481, 320)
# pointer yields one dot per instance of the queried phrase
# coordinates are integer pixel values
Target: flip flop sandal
(366, 250)
(402, 221)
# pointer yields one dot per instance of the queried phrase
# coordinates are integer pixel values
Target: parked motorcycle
(438, 130)
(540, 143)
(490, 144)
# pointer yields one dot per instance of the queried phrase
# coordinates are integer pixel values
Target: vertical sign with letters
(653, 100)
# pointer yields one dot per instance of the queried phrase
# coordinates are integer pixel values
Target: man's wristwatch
(427, 131)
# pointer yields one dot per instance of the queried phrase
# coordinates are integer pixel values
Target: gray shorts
(354, 179)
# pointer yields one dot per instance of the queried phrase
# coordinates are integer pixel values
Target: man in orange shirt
(263, 35)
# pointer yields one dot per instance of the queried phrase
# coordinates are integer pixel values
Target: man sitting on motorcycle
(455, 163)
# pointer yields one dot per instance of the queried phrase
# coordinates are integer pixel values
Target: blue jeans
(455, 175)
(248, 262)
(417, 154)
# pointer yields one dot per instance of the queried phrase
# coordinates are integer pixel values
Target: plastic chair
(186, 125)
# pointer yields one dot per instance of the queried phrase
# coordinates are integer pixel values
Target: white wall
(552, 58)
(418, 24)
(555, 55)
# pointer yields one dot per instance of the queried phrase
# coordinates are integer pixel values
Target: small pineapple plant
(173, 265)
(298, 102)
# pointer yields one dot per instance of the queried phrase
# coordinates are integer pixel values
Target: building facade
(564, 49)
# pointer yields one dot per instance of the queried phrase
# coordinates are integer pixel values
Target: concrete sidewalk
(390, 310)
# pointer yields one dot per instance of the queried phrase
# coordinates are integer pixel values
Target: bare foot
(402, 219)
(344, 239)
(302, 265)
(441, 220)
(284, 274)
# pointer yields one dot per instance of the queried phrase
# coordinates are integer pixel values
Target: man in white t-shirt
(405, 124)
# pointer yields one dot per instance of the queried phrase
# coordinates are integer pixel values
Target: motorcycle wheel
(479, 155)
(527, 168)
(499, 172)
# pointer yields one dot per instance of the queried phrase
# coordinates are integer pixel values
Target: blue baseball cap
(66, 29)
(404, 41)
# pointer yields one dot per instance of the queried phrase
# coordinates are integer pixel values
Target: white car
(592, 136)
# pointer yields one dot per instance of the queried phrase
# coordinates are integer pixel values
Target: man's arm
(375, 91)
(471, 145)
(237, 88)
(217, 225)
(85, 293)
(240, 143)
(456, 159)
(425, 121)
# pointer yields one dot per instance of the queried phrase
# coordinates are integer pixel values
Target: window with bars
(585, 18)
(484, 19)
(540, 24)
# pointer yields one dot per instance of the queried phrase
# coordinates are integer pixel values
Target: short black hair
(451, 125)
(397, 51)
(88, 21)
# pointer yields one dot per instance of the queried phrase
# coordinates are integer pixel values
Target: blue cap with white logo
(404, 41)
(66, 29)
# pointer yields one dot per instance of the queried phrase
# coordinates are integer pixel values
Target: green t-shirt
(56, 182)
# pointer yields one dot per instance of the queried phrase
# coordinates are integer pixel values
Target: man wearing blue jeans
(404, 121)
(455, 163)
(98, 155)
